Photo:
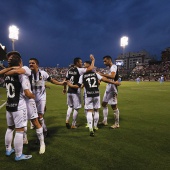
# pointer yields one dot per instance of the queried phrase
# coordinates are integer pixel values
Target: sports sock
(90, 119)
(69, 110)
(25, 133)
(8, 139)
(42, 122)
(75, 113)
(105, 113)
(96, 118)
(116, 116)
(40, 135)
(18, 143)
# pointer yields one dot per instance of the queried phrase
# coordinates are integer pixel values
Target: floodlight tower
(13, 34)
(123, 43)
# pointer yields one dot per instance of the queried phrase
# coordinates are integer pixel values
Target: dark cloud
(57, 31)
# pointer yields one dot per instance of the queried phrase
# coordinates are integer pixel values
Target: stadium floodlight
(137, 65)
(13, 34)
(123, 42)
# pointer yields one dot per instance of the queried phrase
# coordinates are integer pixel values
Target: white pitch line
(2, 105)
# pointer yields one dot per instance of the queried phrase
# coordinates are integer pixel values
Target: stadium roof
(2, 54)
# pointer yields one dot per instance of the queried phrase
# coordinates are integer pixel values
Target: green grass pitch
(141, 143)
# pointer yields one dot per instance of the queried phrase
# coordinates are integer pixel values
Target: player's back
(15, 86)
(90, 81)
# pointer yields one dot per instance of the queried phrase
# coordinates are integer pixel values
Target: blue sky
(56, 31)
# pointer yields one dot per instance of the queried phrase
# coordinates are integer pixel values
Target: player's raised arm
(91, 67)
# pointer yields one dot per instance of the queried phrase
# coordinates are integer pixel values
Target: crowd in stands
(149, 72)
(152, 72)
(60, 73)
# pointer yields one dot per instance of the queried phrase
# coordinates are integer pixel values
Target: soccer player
(31, 108)
(16, 113)
(162, 79)
(138, 80)
(92, 96)
(110, 95)
(74, 95)
(38, 78)
(86, 65)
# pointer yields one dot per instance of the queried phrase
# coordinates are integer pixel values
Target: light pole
(137, 62)
(123, 43)
(13, 34)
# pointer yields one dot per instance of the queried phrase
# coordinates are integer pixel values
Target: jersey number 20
(10, 90)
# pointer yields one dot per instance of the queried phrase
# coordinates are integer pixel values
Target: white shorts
(92, 102)
(74, 100)
(18, 118)
(31, 110)
(41, 106)
(110, 97)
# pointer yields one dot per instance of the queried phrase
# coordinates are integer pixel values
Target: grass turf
(141, 142)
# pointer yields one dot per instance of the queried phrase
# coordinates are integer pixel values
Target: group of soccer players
(78, 76)
(26, 98)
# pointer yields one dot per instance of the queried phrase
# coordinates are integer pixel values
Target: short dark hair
(76, 60)
(36, 60)
(14, 61)
(88, 62)
(13, 53)
(107, 57)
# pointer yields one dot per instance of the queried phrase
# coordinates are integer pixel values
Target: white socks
(40, 135)
(96, 118)
(42, 122)
(69, 110)
(25, 133)
(18, 143)
(116, 116)
(8, 139)
(75, 113)
(105, 113)
(90, 120)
